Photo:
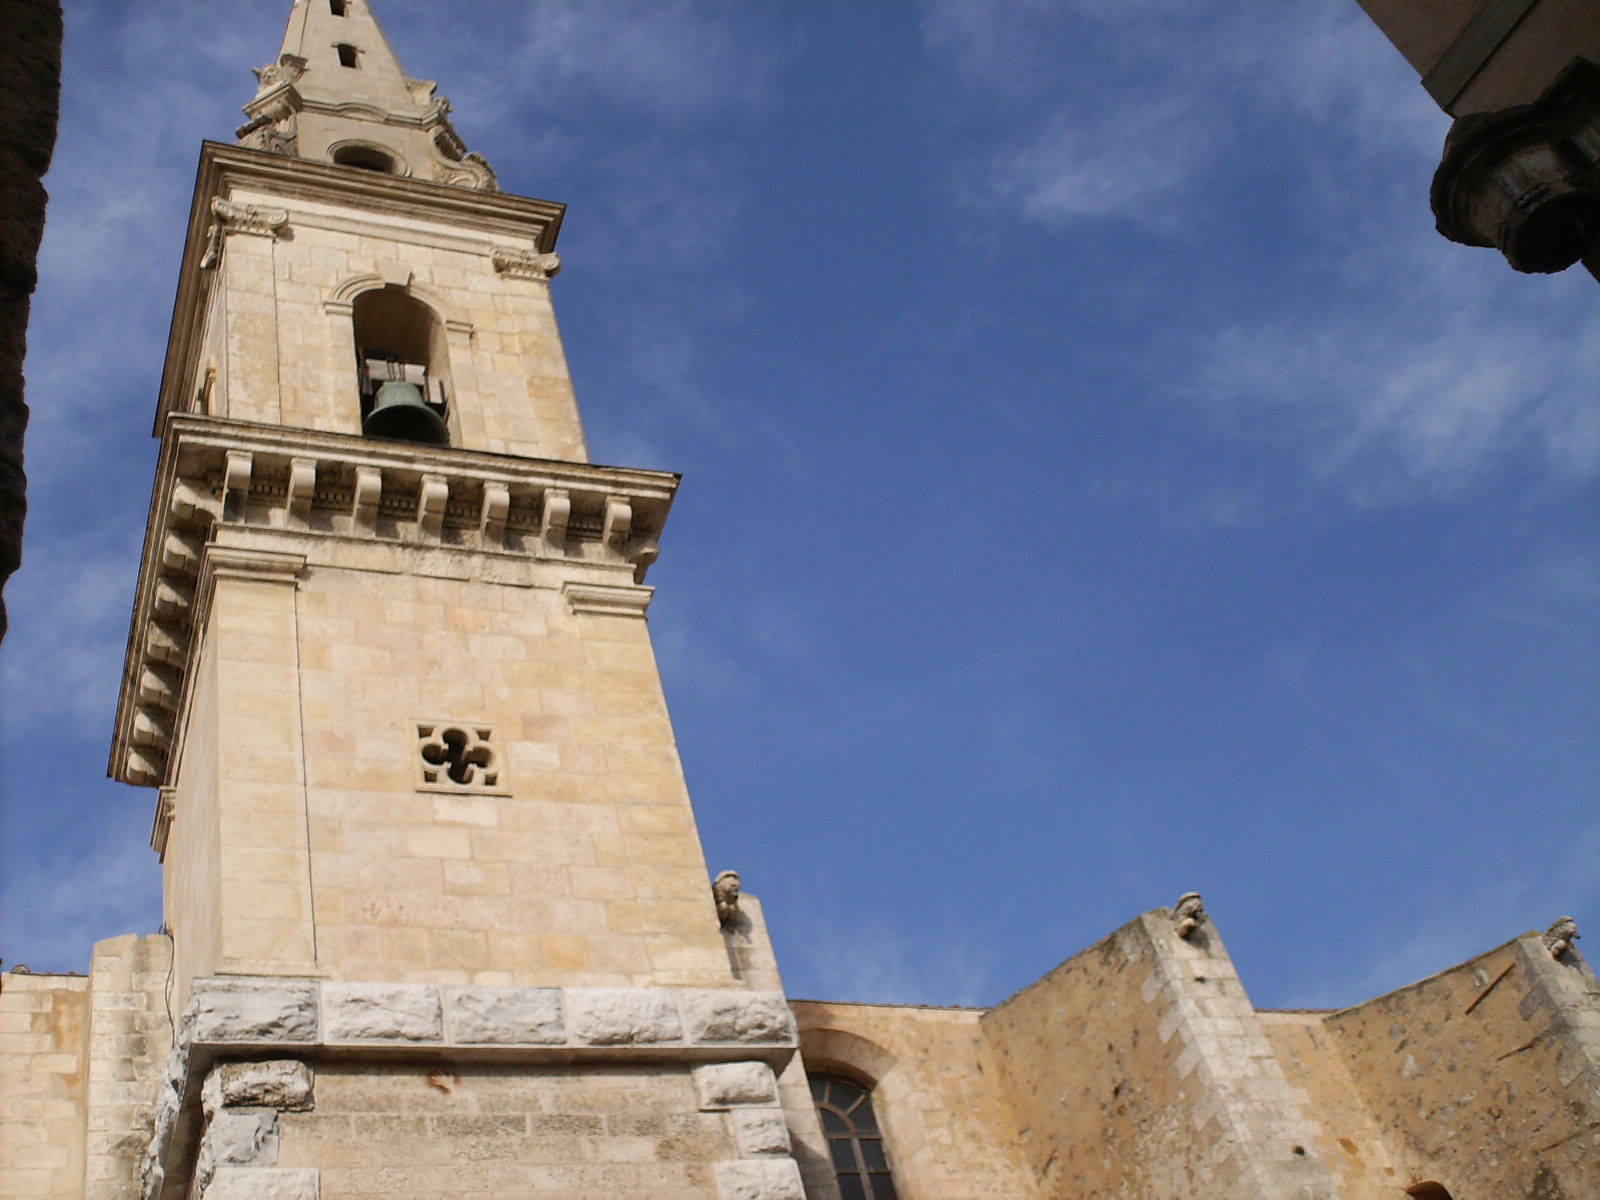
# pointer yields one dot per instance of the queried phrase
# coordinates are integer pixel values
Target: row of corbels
(167, 634)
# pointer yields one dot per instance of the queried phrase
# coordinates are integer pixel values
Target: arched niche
(368, 156)
(399, 339)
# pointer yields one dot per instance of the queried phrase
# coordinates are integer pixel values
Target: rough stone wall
(29, 108)
(1138, 1069)
(1487, 1076)
(129, 1040)
(947, 1127)
(419, 1132)
(43, 1066)
(1348, 1139)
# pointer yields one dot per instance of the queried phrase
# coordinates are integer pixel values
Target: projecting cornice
(240, 500)
(495, 219)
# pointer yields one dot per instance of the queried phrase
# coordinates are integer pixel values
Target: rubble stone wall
(1487, 1076)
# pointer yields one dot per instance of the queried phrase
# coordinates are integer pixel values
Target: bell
(399, 413)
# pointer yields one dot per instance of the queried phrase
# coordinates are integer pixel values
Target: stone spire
(337, 93)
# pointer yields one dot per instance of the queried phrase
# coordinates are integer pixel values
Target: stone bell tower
(431, 871)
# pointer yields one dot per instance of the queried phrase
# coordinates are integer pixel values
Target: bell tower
(389, 672)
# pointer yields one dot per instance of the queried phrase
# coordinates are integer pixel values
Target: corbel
(618, 522)
(236, 482)
(181, 553)
(431, 501)
(163, 644)
(151, 729)
(145, 767)
(526, 264)
(496, 505)
(557, 512)
(172, 597)
(369, 490)
(189, 502)
(158, 686)
(302, 487)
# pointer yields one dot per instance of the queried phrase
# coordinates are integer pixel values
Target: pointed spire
(337, 93)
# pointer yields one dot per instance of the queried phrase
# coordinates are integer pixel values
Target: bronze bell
(400, 413)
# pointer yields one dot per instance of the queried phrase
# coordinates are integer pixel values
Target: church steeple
(337, 93)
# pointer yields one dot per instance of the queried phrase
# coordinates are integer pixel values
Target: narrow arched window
(368, 158)
(403, 367)
(349, 56)
(1428, 1191)
(854, 1139)
(340, 8)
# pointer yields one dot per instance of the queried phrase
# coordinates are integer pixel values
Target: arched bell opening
(367, 157)
(1428, 1191)
(403, 363)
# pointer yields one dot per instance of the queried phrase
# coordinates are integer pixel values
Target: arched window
(349, 56)
(1428, 1191)
(368, 158)
(403, 363)
(854, 1140)
(340, 8)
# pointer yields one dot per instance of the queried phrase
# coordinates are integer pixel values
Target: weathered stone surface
(254, 1010)
(760, 1132)
(382, 1012)
(622, 1016)
(728, 1016)
(760, 1179)
(727, 1085)
(504, 1016)
(247, 1183)
(242, 1139)
(283, 1084)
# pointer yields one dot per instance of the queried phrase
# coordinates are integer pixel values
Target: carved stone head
(1560, 936)
(1188, 914)
(725, 890)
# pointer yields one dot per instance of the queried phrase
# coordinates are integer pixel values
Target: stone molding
(220, 475)
(607, 600)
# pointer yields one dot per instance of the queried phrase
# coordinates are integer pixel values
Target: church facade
(438, 921)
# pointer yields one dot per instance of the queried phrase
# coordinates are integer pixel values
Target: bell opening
(403, 368)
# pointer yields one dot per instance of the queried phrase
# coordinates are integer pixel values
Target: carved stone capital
(230, 218)
(606, 599)
(527, 264)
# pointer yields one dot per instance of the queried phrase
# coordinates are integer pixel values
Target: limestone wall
(44, 1042)
(29, 107)
(1348, 1139)
(1487, 1077)
(1139, 1068)
(289, 344)
(581, 867)
(128, 1043)
(947, 1127)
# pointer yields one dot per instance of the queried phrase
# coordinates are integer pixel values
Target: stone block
(760, 1132)
(242, 1139)
(285, 1085)
(506, 1016)
(254, 1011)
(245, 1183)
(759, 1179)
(622, 1016)
(382, 1012)
(728, 1085)
(726, 1016)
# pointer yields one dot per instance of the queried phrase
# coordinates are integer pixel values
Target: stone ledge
(315, 1017)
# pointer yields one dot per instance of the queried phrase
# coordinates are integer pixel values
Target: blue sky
(1100, 480)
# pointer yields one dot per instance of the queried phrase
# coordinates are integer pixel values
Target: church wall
(1487, 1076)
(1348, 1139)
(293, 362)
(44, 1042)
(1147, 1043)
(191, 867)
(129, 1039)
(936, 1091)
(416, 1132)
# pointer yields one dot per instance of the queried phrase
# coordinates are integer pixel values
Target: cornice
(224, 169)
(218, 481)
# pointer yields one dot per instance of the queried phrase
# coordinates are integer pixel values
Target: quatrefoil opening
(457, 757)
